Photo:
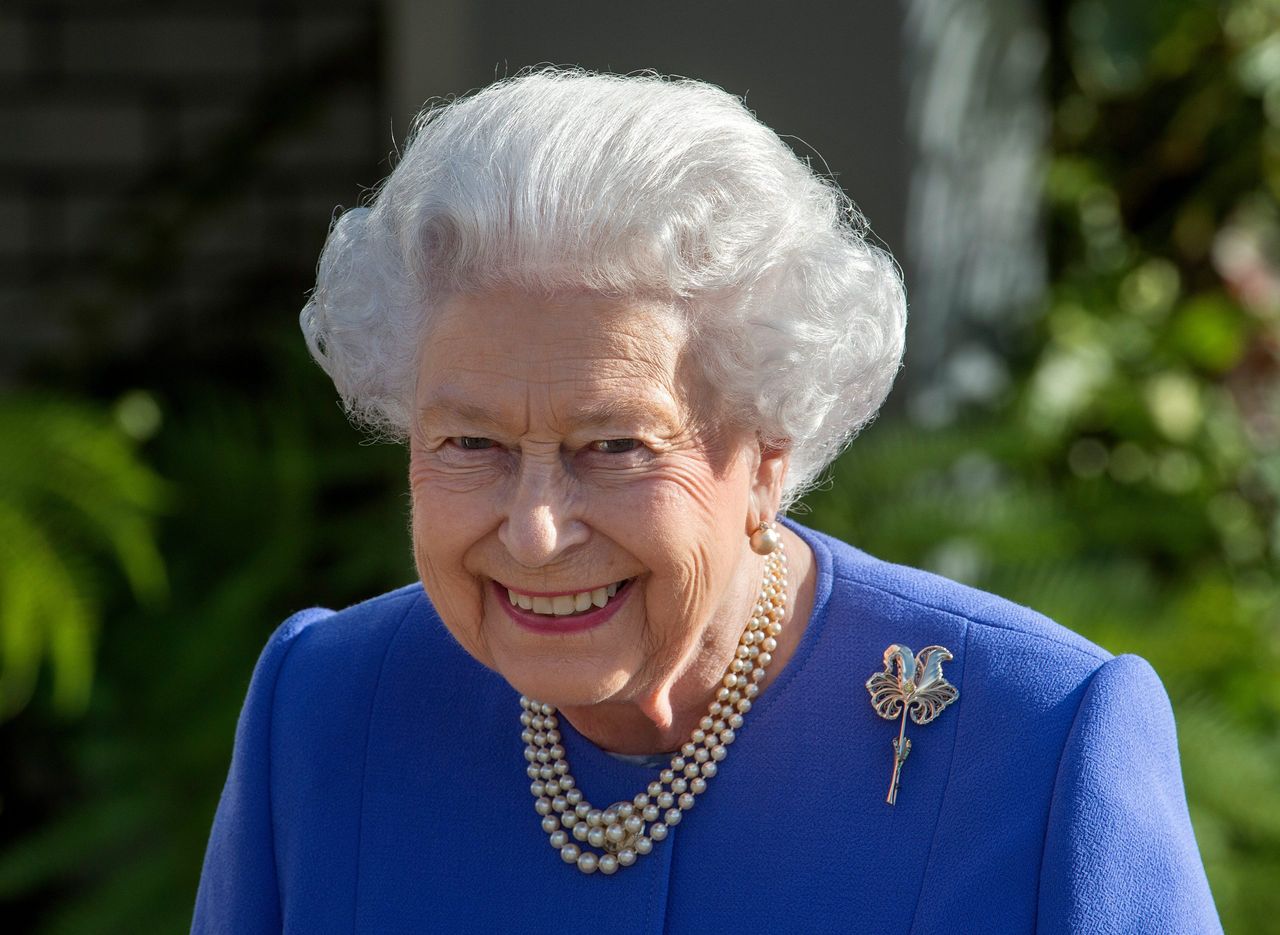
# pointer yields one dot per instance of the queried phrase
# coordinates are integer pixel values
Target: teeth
(564, 604)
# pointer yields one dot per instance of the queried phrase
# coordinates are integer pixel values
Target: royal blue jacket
(378, 786)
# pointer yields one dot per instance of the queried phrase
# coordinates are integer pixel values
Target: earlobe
(766, 487)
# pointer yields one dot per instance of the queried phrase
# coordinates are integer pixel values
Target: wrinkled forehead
(571, 356)
(641, 329)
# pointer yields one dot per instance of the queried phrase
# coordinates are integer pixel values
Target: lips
(559, 613)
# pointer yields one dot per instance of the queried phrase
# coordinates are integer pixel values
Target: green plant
(75, 498)
(1128, 484)
(274, 506)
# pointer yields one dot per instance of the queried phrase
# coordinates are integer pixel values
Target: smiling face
(561, 453)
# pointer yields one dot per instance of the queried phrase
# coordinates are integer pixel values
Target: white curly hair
(637, 185)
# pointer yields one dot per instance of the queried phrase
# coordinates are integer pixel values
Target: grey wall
(162, 163)
(827, 75)
(168, 167)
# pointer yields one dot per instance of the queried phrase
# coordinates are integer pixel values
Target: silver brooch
(916, 686)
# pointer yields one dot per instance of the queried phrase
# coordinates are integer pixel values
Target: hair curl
(639, 185)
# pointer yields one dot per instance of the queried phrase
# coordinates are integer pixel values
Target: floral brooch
(910, 684)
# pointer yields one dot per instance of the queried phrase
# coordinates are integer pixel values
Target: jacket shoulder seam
(364, 766)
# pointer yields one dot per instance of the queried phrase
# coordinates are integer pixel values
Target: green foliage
(271, 505)
(1128, 484)
(74, 497)
(274, 506)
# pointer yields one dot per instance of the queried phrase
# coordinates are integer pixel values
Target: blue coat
(378, 786)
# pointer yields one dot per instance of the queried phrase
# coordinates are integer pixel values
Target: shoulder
(1068, 750)
(998, 635)
(324, 673)
(355, 628)
(1020, 674)
(1023, 678)
(319, 647)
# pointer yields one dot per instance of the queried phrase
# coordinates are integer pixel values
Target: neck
(661, 719)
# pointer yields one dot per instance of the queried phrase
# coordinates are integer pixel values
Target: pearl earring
(765, 539)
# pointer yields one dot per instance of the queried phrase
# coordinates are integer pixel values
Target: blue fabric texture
(378, 785)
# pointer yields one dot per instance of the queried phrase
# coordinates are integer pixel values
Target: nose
(540, 521)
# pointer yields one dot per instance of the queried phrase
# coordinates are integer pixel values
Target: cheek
(447, 523)
(693, 483)
(452, 499)
(695, 516)
(692, 499)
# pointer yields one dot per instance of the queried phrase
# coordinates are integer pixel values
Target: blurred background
(1083, 195)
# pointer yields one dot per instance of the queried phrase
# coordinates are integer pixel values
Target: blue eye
(615, 446)
(472, 442)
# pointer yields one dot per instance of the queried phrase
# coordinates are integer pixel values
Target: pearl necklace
(626, 831)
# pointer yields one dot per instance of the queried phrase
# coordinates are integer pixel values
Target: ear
(766, 484)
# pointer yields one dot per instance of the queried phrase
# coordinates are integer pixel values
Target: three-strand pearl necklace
(626, 831)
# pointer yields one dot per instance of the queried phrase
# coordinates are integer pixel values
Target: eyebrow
(447, 406)
(604, 412)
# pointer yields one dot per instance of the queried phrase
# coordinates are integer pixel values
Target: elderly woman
(623, 327)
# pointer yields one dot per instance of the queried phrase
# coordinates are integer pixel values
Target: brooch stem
(901, 748)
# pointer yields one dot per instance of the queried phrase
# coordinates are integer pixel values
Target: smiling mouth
(567, 605)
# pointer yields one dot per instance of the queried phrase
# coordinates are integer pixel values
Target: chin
(566, 684)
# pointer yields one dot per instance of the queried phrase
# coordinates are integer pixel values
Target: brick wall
(156, 157)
